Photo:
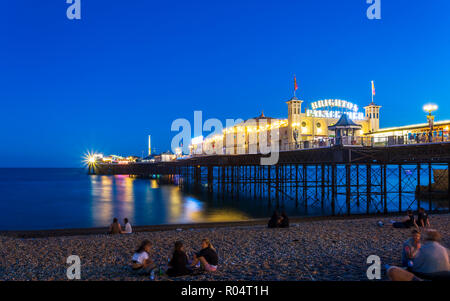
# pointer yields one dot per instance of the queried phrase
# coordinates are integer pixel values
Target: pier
(338, 180)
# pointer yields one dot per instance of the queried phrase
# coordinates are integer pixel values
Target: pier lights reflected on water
(147, 202)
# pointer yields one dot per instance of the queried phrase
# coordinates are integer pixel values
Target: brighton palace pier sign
(322, 109)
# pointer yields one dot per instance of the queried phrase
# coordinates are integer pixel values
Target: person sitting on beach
(422, 218)
(207, 257)
(410, 248)
(128, 229)
(408, 222)
(141, 261)
(179, 262)
(431, 263)
(274, 221)
(115, 227)
(284, 223)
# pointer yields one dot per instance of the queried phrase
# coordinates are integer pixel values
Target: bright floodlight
(92, 159)
(430, 108)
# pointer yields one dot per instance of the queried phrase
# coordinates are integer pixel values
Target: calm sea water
(33, 199)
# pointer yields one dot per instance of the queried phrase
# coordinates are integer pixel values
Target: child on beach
(115, 227)
(207, 257)
(128, 229)
(141, 261)
(178, 265)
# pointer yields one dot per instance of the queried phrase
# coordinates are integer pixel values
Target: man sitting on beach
(115, 227)
(410, 248)
(128, 229)
(431, 263)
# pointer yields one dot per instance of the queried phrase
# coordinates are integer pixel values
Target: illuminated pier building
(324, 123)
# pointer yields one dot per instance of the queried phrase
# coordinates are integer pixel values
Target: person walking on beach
(410, 248)
(408, 222)
(431, 263)
(178, 265)
(422, 218)
(128, 229)
(141, 261)
(115, 227)
(207, 257)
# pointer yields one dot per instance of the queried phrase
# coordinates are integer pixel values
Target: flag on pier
(373, 89)
(295, 84)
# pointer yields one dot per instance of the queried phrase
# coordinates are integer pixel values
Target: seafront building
(324, 123)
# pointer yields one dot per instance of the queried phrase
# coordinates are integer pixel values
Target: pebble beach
(334, 250)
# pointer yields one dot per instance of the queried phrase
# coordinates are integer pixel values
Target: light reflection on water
(145, 202)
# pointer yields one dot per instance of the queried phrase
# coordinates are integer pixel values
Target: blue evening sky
(129, 68)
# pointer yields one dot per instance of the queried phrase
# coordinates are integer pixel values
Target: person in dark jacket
(179, 262)
(274, 221)
(408, 222)
(284, 220)
(207, 257)
(422, 218)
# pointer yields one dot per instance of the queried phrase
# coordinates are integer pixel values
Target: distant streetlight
(430, 108)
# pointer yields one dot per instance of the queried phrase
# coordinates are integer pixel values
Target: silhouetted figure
(284, 220)
(274, 221)
(422, 218)
(179, 262)
(115, 227)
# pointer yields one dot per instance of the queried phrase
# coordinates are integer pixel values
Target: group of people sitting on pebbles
(420, 261)
(427, 260)
(179, 265)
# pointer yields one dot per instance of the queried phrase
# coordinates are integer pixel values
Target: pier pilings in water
(332, 181)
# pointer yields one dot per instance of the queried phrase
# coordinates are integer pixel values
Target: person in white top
(128, 228)
(141, 261)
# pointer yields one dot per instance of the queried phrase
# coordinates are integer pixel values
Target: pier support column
(333, 189)
(385, 188)
(348, 187)
(430, 186)
(400, 188)
(369, 187)
(419, 172)
(448, 186)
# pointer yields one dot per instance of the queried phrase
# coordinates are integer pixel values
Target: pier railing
(354, 141)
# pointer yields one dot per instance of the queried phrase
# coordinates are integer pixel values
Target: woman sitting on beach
(141, 261)
(207, 257)
(115, 227)
(179, 262)
(408, 222)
